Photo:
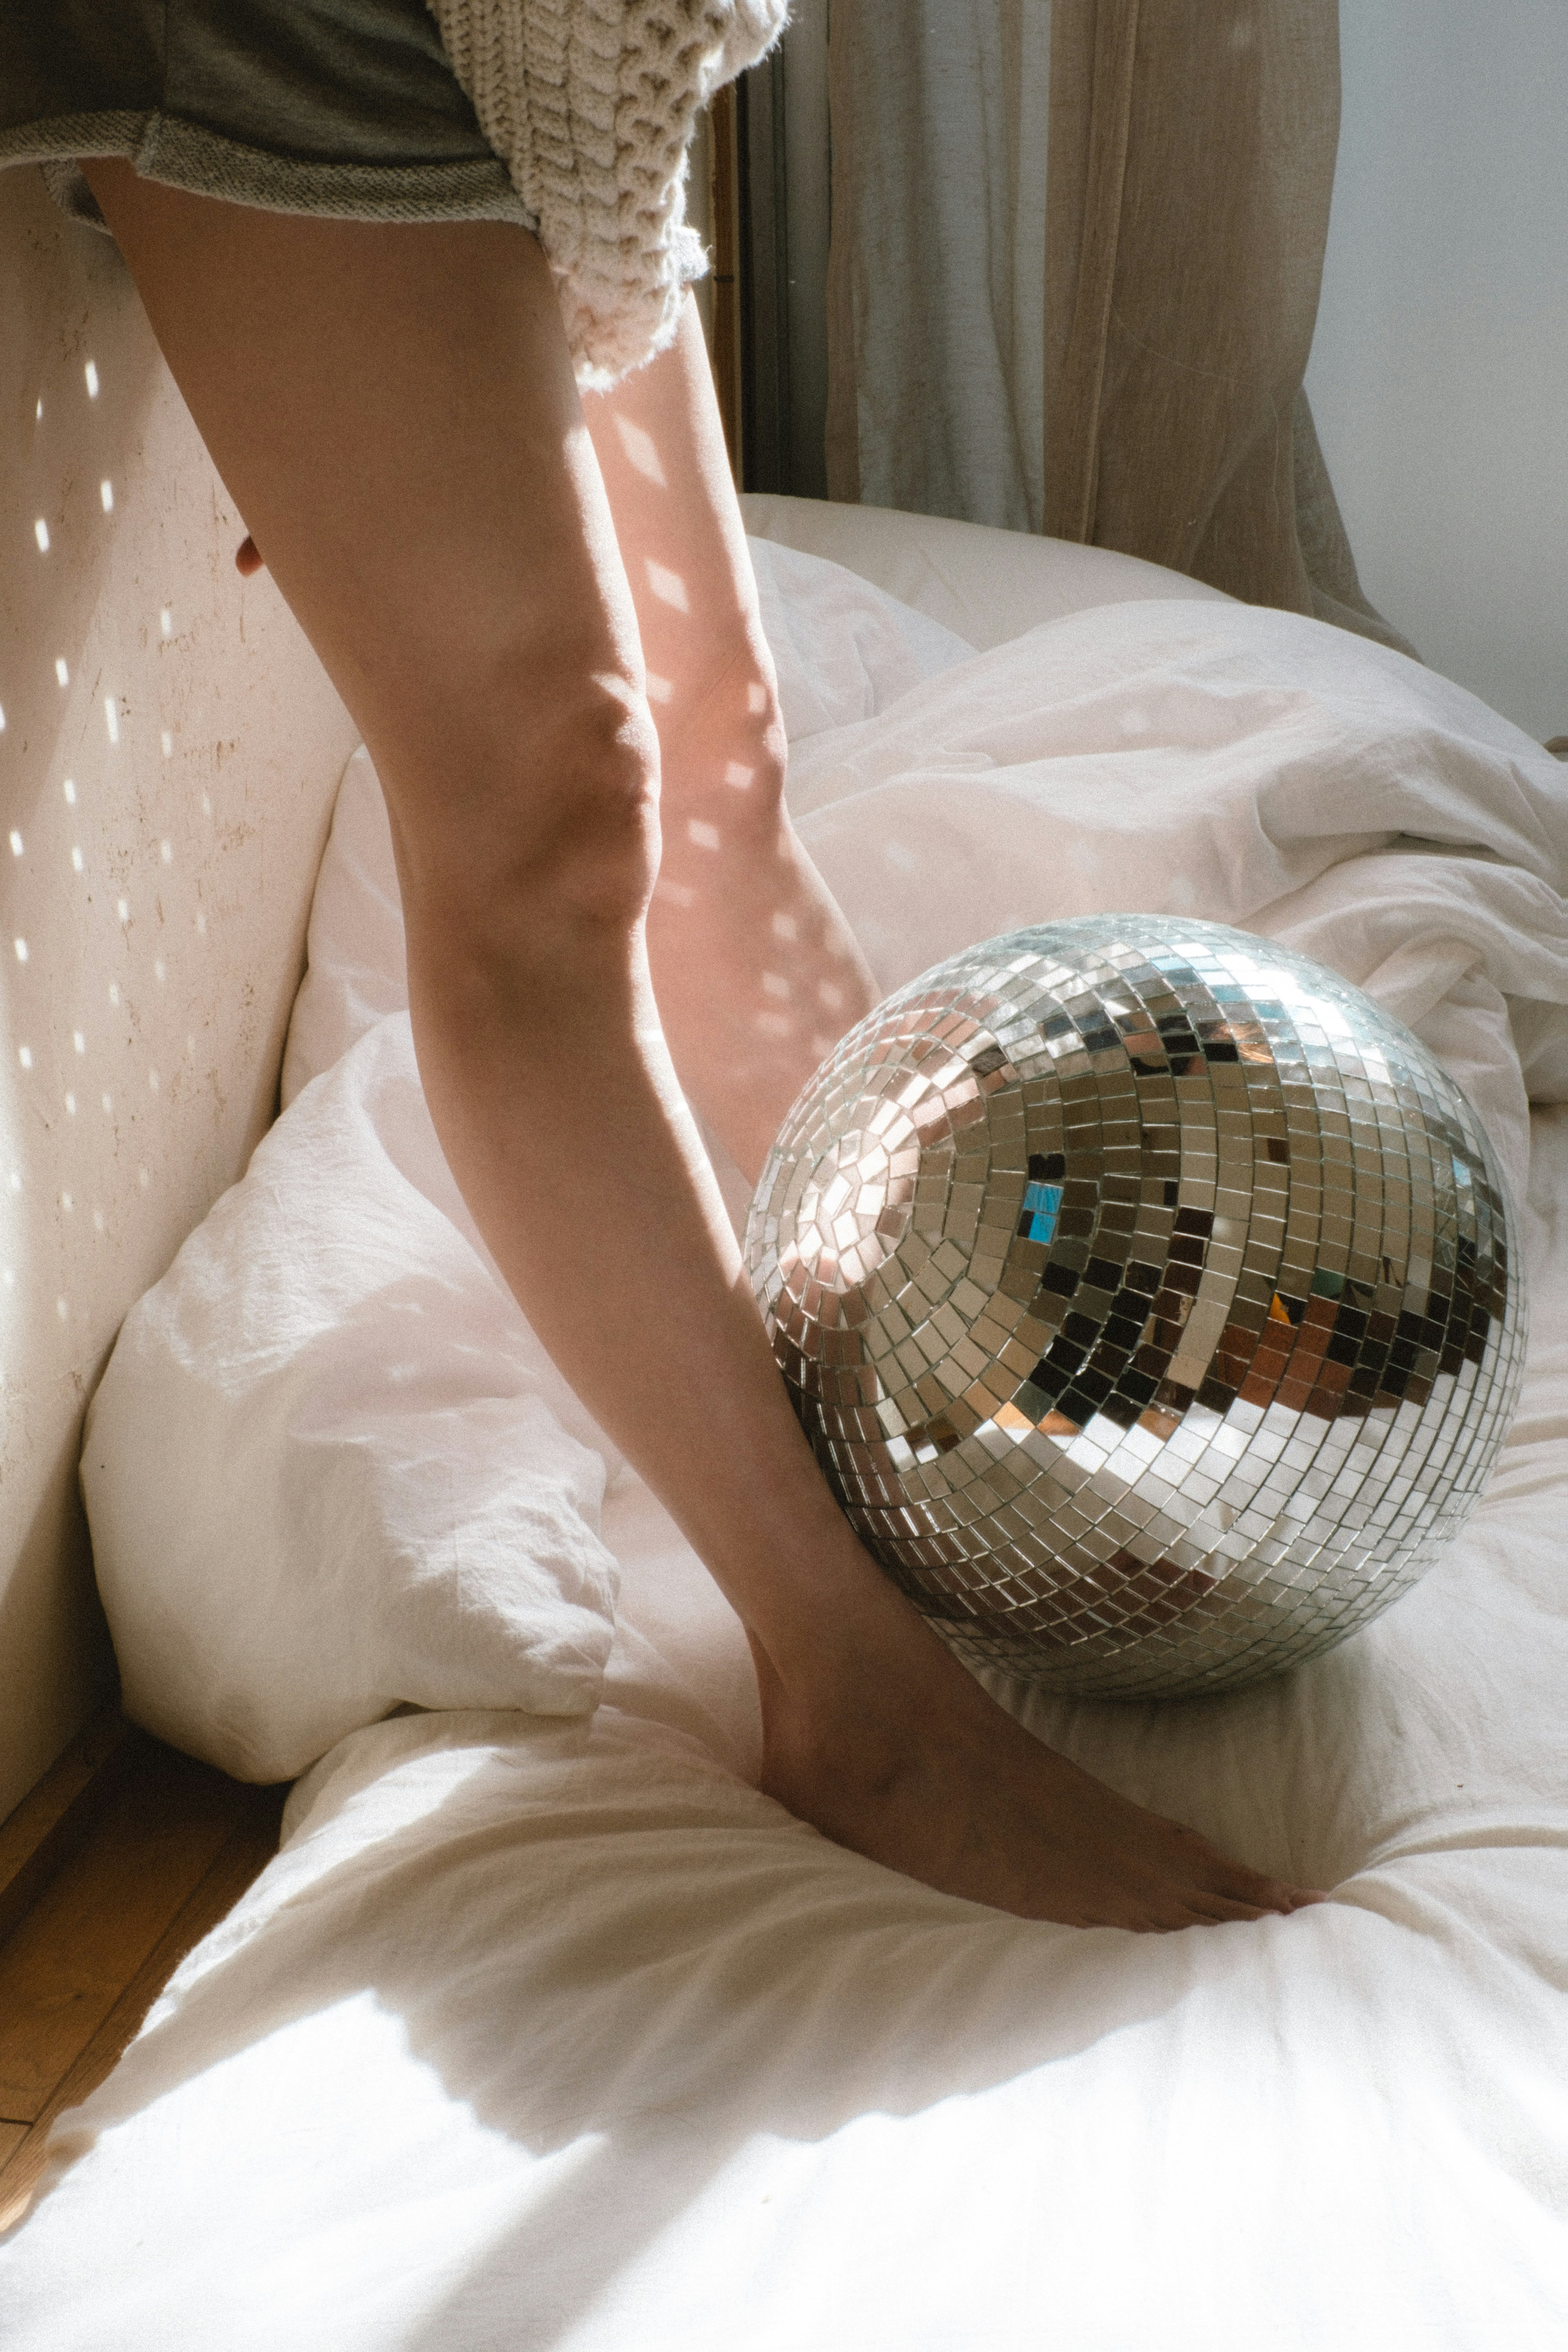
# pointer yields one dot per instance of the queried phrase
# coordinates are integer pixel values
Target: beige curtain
(1184, 151)
(937, 256)
(1192, 162)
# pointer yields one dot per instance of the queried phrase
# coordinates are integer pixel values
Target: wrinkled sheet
(556, 2033)
(560, 2034)
(1241, 764)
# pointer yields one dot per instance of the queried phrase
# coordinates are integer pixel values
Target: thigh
(392, 408)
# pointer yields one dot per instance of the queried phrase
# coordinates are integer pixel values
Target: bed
(545, 2027)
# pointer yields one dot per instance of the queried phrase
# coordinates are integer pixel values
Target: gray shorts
(343, 108)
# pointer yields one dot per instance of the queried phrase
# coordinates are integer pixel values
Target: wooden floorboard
(53, 1820)
(155, 1852)
(64, 1965)
(245, 1854)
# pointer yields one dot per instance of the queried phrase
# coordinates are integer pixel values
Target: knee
(581, 842)
(533, 836)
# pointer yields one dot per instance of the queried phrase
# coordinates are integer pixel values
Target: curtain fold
(937, 258)
(1166, 168)
(1192, 151)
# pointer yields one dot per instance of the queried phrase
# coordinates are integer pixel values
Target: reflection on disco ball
(1147, 1296)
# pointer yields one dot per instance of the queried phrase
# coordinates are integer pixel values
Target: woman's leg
(393, 409)
(755, 971)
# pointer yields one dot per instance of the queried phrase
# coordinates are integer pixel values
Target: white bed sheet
(559, 2035)
(556, 2033)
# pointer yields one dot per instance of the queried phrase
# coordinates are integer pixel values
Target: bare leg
(393, 412)
(755, 971)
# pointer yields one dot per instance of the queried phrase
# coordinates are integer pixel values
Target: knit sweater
(591, 105)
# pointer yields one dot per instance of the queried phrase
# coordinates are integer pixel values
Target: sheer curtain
(1077, 245)
(937, 260)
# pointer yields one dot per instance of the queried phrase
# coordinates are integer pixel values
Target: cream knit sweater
(590, 104)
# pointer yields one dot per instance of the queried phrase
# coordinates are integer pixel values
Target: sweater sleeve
(591, 105)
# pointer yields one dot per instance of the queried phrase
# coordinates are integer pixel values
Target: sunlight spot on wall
(62, 1308)
(114, 992)
(70, 1105)
(158, 973)
(153, 1081)
(206, 804)
(738, 774)
(79, 1041)
(776, 984)
(166, 621)
(25, 1056)
(41, 533)
(142, 1178)
(2, 722)
(90, 373)
(78, 860)
(98, 1220)
(67, 1204)
(15, 844)
(70, 791)
(667, 585)
(15, 1179)
(106, 492)
(123, 908)
(659, 689)
(201, 922)
(108, 1105)
(167, 741)
(641, 451)
(9, 1278)
(166, 852)
(110, 718)
(39, 412)
(190, 1045)
(706, 836)
(786, 928)
(62, 672)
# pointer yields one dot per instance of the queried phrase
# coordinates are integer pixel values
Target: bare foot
(925, 1773)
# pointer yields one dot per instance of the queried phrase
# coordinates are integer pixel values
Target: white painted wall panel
(169, 755)
(1440, 372)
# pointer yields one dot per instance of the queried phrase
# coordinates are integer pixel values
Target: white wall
(1439, 373)
(168, 758)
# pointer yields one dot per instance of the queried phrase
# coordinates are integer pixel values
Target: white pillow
(330, 1468)
(843, 649)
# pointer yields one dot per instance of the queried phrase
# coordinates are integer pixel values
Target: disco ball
(1147, 1294)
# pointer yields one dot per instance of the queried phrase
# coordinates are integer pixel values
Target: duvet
(545, 2027)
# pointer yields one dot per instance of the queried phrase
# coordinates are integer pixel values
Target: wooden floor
(118, 1861)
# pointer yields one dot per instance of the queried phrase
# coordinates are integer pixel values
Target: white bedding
(548, 2030)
